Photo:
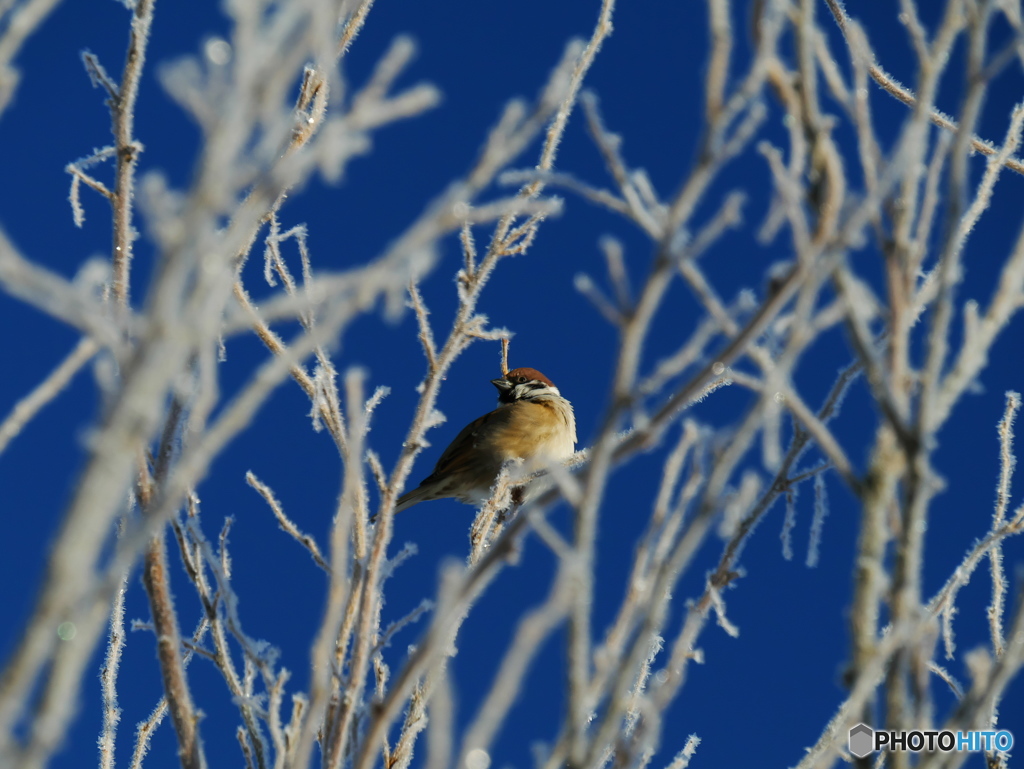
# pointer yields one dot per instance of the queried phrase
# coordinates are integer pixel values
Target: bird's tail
(424, 493)
(421, 493)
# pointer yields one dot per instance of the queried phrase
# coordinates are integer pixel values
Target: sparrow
(532, 423)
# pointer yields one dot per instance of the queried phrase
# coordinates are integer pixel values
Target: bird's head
(523, 383)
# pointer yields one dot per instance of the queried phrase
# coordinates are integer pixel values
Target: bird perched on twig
(532, 423)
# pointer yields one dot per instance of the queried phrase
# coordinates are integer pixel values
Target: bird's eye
(521, 379)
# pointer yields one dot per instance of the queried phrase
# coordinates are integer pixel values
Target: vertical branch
(144, 730)
(720, 27)
(122, 110)
(108, 679)
(870, 573)
(902, 704)
(366, 601)
(156, 580)
(1007, 461)
(165, 624)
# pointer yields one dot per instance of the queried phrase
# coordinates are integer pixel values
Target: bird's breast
(540, 430)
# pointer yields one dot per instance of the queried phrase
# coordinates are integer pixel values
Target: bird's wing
(461, 453)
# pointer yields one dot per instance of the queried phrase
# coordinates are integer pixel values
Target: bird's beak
(502, 384)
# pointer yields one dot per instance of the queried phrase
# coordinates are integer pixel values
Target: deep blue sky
(768, 693)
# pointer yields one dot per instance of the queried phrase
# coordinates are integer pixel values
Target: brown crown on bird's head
(511, 386)
(521, 375)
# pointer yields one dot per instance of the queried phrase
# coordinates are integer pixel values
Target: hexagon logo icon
(862, 740)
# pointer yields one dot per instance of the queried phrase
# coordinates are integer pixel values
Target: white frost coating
(788, 522)
(818, 521)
